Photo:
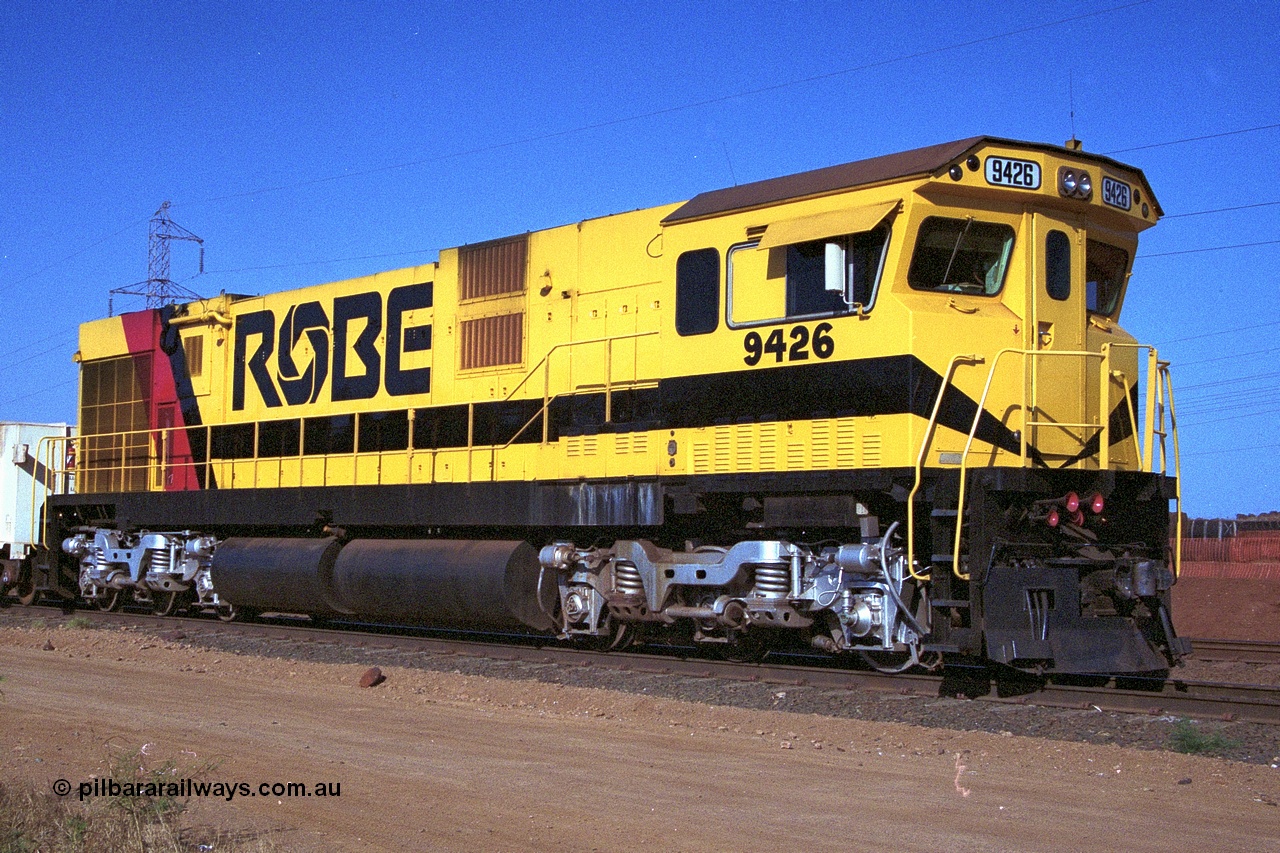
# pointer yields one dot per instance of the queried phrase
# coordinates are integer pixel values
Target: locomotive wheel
(745, 647)
(26, 592)
(166, 603)
(231, 613)
(616, 635)
(889, 662)
(108, 600)
(624, 634)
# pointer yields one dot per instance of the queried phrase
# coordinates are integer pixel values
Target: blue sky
(308, 142)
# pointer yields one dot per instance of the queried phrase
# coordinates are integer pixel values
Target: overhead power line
(1192, 139)
(1230, 331)
(1232, 355)
(1198, 422)
(1218, 210)
(321, 263)
(77, 253)
(1218, 382)
(690, 105)
(1208, 249)
(1231, 450)
(44, 389)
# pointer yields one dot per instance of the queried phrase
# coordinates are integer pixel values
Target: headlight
(1073, 183)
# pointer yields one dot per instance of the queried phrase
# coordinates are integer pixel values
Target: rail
(1239, 702)
(1159, 394)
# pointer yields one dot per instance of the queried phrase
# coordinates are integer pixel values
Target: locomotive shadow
(978, 680)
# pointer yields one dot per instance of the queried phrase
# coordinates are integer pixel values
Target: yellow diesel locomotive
(882, 408)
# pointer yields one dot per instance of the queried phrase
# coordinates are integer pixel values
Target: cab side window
(856, 262)
(1057, 265)
(698, 292)
(1106, 268)
(829, 277)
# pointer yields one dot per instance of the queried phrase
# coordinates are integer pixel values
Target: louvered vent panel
(492, 341)
(846, 443)
(723, 449)
(194, 348)
(768, 447)
(701, 457)
(795, 457)
(491, 269)
(821, 444)
(871, 450)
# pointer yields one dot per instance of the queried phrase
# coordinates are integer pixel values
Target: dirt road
(448, 762)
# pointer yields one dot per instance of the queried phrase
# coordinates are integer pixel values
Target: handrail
(1159, 384)
(546, 358)
(548, 397)
(150, 446)
(924, 452)
(546, 405)
(1177, 467)
(40, 443)
(973, 430)
(54, 475)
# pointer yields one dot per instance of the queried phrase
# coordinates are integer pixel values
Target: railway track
(1229, 702)
(1239, 651)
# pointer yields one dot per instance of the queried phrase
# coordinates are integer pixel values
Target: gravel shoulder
(443, 757)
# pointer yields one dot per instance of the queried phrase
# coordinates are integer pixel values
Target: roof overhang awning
(850, 220)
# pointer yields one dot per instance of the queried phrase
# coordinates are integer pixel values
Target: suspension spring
(773, 581)
(162, 560)
(626, 579)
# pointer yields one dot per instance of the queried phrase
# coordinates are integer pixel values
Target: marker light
(1071, 502)
(1096, 503)
(1052, 518)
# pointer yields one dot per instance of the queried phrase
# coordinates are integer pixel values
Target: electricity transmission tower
(159, 289)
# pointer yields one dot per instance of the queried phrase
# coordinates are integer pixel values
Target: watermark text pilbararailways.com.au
(184, 788)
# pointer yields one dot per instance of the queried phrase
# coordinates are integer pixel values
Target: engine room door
(1057, 380)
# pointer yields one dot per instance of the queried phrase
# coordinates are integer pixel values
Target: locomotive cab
(1062, 562)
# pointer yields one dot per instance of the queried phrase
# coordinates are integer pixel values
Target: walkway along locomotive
(883, 407)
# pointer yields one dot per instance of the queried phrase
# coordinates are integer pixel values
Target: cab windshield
(961, 256)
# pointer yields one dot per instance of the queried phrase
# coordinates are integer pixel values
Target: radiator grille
(492, 341)
(491, 269)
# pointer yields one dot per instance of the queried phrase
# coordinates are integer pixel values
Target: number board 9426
(803, 345)
(1116, 193)
(1007, 172)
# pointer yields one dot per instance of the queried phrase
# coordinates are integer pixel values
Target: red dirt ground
(1227, 608)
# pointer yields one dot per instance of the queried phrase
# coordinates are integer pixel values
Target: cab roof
(918, 162)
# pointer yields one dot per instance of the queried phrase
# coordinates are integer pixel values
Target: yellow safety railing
(1159, 389)
(143, 460)
(609, 384)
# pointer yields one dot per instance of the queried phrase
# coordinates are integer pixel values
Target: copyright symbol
(62, 787)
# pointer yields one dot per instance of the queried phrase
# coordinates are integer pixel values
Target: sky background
(307, 142)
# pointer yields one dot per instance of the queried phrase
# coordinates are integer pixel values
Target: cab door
(1061, 423)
